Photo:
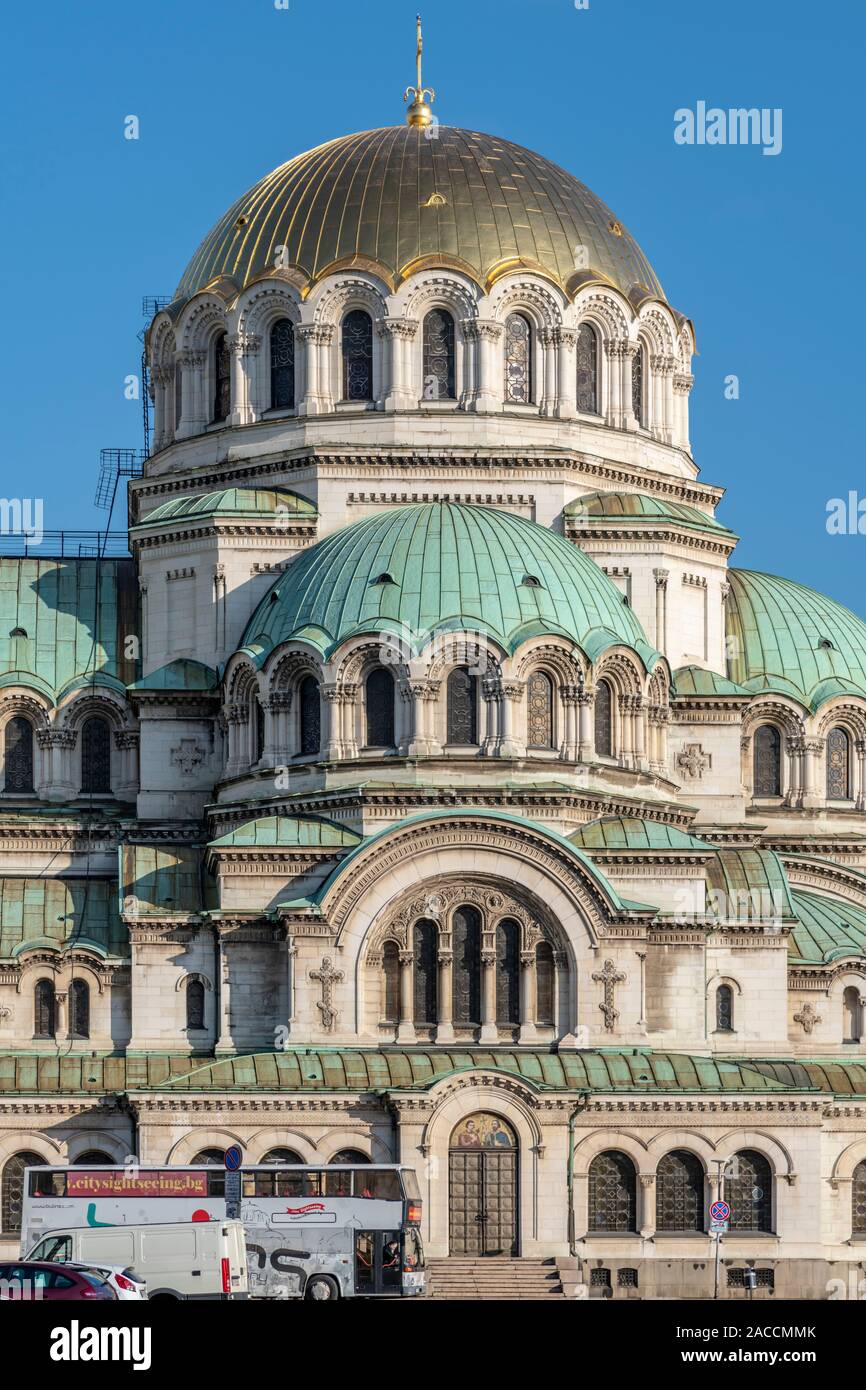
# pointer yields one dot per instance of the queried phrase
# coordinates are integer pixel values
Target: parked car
(186, 1259)
(42, 1281)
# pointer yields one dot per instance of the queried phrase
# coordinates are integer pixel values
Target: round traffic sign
(720, 1211)
(234, 1157)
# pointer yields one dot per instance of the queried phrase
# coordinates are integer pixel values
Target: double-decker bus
(341, 1231)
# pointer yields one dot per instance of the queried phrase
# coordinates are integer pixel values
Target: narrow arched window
(587, 369)
(749, 1192)
(43, 1010)
(724, 1009)
(178, 393)
(768, 761)
(391, 982)
(425, 950)
(838, 765)
(508, 971)
(79, 1009)
(858, 1199)
(357, 356)
(310, 706)
(637, 385)
(283, 365)
(852, 1014)
(222, 379)
(96, 755)
(466, 968)
(612, 1193)
(258, 730)
(18, 744)
(462, 706)
(518, 360)
(545, 984)
(539, 697)
(680, 1192)
(195, 1005)
(438, 356)
(12, 1200)
(603, 720)
(379, 702)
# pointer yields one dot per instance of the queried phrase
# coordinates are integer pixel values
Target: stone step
(496, 1277)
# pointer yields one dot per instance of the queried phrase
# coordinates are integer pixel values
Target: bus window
(365, 1256)
(410, 1184)
(391, 1271)
(338, 1182)
(382, 1183)
(288, 1183)
(47, 1184)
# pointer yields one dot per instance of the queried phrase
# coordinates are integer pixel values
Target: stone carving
(328, 977)
(693, 762)
(187, 756)
(609, 977)
(807, 1018)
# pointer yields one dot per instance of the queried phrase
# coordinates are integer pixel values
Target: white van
(189, 1259)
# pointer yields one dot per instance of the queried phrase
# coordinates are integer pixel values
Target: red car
(41, 1281)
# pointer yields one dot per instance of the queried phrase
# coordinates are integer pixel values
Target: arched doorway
(482, 1187)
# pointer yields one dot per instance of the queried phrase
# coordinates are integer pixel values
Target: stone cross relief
(807, 1017)
(693, 762)
(187, 756)
(328, 977)
(609, 977)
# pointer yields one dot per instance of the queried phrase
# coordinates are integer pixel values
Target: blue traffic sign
(720, 1211)
(234, 1157)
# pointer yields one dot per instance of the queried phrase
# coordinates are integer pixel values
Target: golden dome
(398, 199)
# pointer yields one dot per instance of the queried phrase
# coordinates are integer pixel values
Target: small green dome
(790, 639)
(630, 508)
(629, 834)
(231, 501)
(444, 567)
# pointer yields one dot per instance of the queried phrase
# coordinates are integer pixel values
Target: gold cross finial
(419, 112)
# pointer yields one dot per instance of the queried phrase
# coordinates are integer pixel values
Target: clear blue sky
(765, 254)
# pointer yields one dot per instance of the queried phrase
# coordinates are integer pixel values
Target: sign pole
(720, 1213)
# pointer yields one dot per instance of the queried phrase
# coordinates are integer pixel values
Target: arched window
(79, 1009)
(92, 1158)
(462, 703)
(587, 369)
(545, 984)
(637, 393)
(466, 969)
(425, 949)
(379, 702)
(508, 971)
(749, 1191)
(96, 755)
(222, 379)
(724, 1009)
(768, 761)
(277, 1156)
(258, 729)
(438, 356)
(518, 360)
(178, 393)
(44, 1012)
(283, 365)
(12, 1199)
(858, 1199)
(680, 1192)
(195, 1005)
(311, 716)
(391, 982)
(603, 720)
(612, 1192)
(838, 765)
(852, 1014)
(357, 356)
(539, 699)
(210, 1158)
(18, 742)
(349, 1156)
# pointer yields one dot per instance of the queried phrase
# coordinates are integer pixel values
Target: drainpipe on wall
(584, 1096)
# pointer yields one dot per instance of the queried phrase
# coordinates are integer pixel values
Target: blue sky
(765, 254)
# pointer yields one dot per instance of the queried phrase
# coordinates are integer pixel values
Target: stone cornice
(699, 542)
(277, 530)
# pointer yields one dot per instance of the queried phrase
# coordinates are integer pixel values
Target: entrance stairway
(497, 1277)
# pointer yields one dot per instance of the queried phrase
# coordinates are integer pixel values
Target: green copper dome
(790, 639)
(444, 567)
(626, 509)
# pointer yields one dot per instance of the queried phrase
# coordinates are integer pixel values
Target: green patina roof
(183, 674)
(622, 833)
(288, 832)
(628, 507)
(57, 610)
(836, 1077)
(775, 629)
(752, 882)
(364, 1070)
(60, 913)
(443, 566)
(694, 680)
(231, 501)
(827, 928)
(165, 879)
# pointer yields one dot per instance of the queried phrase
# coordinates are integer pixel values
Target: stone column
(445, 1027)
(270, 755)
(225, 1041)
(163, 427)
(638, 717)
(682, 385)
(647, 1214)
(528, 1031)
(860, 788)
(630, 352)
(396, 335)
(317, 339)
(490, 698)
(812, 751)
(277, 749)
(614, 349)
(566, 403)
(61, 1014)
(127, 742)
(194, 416)
(486, 388)
(661, 578)
(406, 1026)
(624, 746)
(423, 742)
(243, 350)
(792, 764)
(332, 708)
(234, 722)
(586, 735)
(547, 341)
(569, 748)
(510, 746)
(489, 1032)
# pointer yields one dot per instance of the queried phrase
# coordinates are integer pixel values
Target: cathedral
(428, 785)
